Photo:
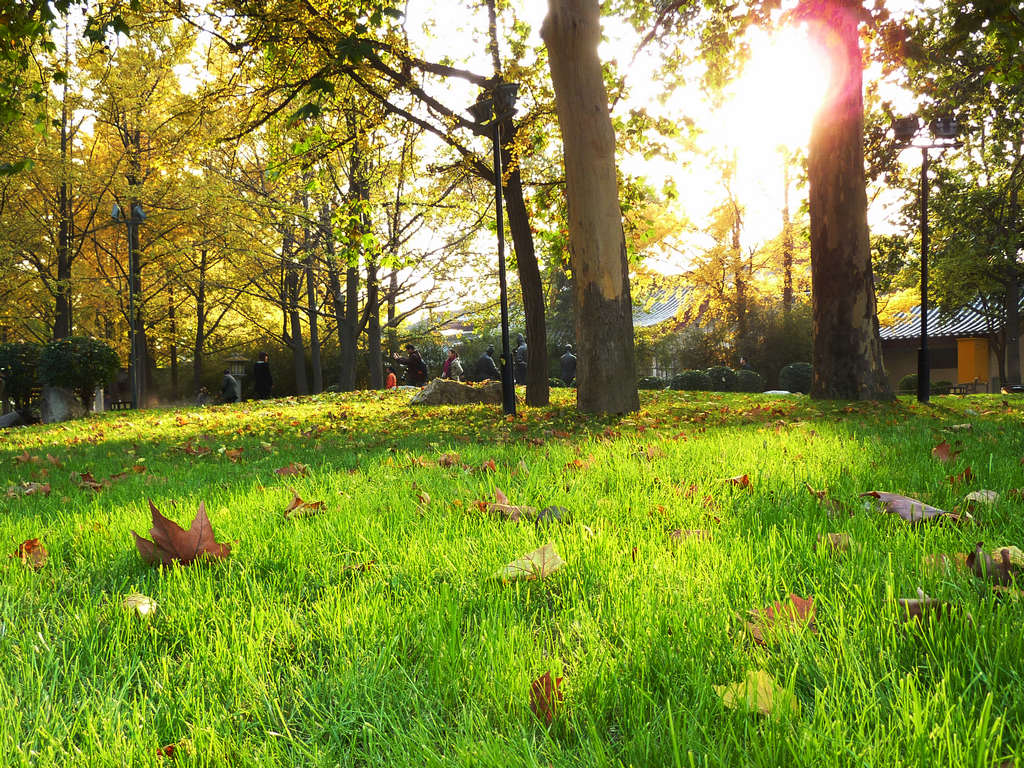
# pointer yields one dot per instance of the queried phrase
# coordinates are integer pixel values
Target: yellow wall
(972, 360)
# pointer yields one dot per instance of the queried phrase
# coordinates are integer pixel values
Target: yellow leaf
(142, 605)
(759, 692)
(538, 564)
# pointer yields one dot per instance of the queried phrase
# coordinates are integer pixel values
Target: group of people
(231, 387)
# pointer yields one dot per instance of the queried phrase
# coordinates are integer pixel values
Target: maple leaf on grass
(923, 608)
(997, 567)
(295, 468)
(538, 564)
(300, 508)
(793, 612)
(171, 543)
(504, 510)
(31, 553)
(944, 452)
(758, 692)
(914, 511)
(546, 697)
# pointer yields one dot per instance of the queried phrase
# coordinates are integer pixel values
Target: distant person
(415, 368)
(455, 371)
(568, 361)
(745, 364)
(486, 368)
(202, 397)
(230, 389)
(391, 381)
(262, 380)
(519, 357)
(447, 364)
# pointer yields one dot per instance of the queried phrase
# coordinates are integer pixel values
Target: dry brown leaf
(944, 452)
(546, 697)
(962, 477)
(681, 534)
(538, 564)
(923, 608)
(449, 460)
(833, 542)
(300, 508)
(997, 567)
(31, 553)
(740, 481)
(914, 511)
(234, 454)
(793, 612)
(173, 544)
(292, 469)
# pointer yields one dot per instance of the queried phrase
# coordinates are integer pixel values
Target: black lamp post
(942, 134)
(132, 222)
(492, 108)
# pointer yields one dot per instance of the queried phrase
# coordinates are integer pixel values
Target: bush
(651, 382)
(796, 377)
(19, 363)
(749, 381)
(77, 363)
(722, 379)
(691, 381)
(555, 382)
(908, 386)
(941, 387)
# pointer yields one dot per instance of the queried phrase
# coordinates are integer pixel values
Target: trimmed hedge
(908, 386)
(652, 382)
(796, 377)
(722, 379)
(691, 381)
(749, 381)
(77, 363)
(19, 363)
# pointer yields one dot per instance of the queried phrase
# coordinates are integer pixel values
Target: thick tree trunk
(295, 330)
(334, 285)
(62, 321)
(311, 319)
(349, 331)
(847, 356)
(392, 314)
(172, 317)
(1012, 375)
(373, 345)
(606, 369)
(135, 286)
(200, 344)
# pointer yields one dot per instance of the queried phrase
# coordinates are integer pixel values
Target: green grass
(283, 656)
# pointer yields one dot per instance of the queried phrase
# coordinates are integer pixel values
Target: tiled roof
(966, 323)
(664, 304)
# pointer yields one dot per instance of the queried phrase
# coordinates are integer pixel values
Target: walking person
(568, 365)
(415, 368)
(519, 357)
(262, 380)
(486, 368)
(230, 389)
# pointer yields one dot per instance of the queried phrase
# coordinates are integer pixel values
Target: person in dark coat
(415, 368)
(568, 361)
(486, 368)
(230, 389)
(519, 359)
(262, 381)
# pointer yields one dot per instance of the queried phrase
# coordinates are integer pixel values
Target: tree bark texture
(606, 370)
(847, 357)
(373, 343)
(200, 344)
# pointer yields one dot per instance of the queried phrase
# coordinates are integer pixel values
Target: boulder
(59, 404)
(448, 392)
(12, 419)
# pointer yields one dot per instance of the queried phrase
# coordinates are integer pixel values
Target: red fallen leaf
(563, 435)
(489, 466)
(944, 452)
(300, 508)
(173, 543)
(31, 553)
(985, 566)
(546, 697)
(54, 460)
(25, 458)
(740, 481)
(819, 494)
(963, 477)
(449, 460)
(795, 610)
(86, 480)
(292, 469)
(194, 450)
(234, 454)
(138, 469)
(652, 452)
(912, 510)
(167, 751)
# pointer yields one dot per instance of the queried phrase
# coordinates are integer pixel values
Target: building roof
(967, 323)
(661, 305)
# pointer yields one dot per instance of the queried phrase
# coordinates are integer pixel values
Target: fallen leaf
(962, 477)
(680, 534)
(944, 452)
(834, 542)
(166, 751)
(759, 692)
(25, 458)
(194, 450)
(292, 469)
(982, 498)
(142, 605)
(941, 562)
(86, 480)
(960, 427)
(740, 481)
(300, 508)
(234, 454)
(449, 460)
(546, 697)
(997, 567)
(794, 612)
(54, 460)
(31, 553)
(171, 543)
(912, 510)
(538, 564)
(923, 608)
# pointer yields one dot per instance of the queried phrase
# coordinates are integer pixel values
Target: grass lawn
(375, 634)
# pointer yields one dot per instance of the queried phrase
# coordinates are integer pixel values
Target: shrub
(555, 382)
(941, 387)
(796, 377)
(651, 382)
(691, 381)
(19, 363)
(77, 363)
(749, 381)
(722, 379)
(908, 386)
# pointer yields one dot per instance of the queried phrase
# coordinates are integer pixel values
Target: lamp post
(942, 134)
(132, 221)
(494, 106)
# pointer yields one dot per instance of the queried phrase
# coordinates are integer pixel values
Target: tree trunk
(135, 286)
(847, 356)
(311, 315)
(293, 321)
(1012, 375)
(373, 345)
(787, 243)
(200, 343)
(172, 317)
(349, 332)
(392, 314)
(739, 279)
(334, 285)
(62, 322)
(606, 369)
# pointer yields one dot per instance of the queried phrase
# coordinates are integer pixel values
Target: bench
(120, 405)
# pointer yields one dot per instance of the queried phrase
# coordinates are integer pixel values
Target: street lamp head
(138, 214)
(116, 213)
(944, 128)
(505, 98)
(905, 128)
(482, 110)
